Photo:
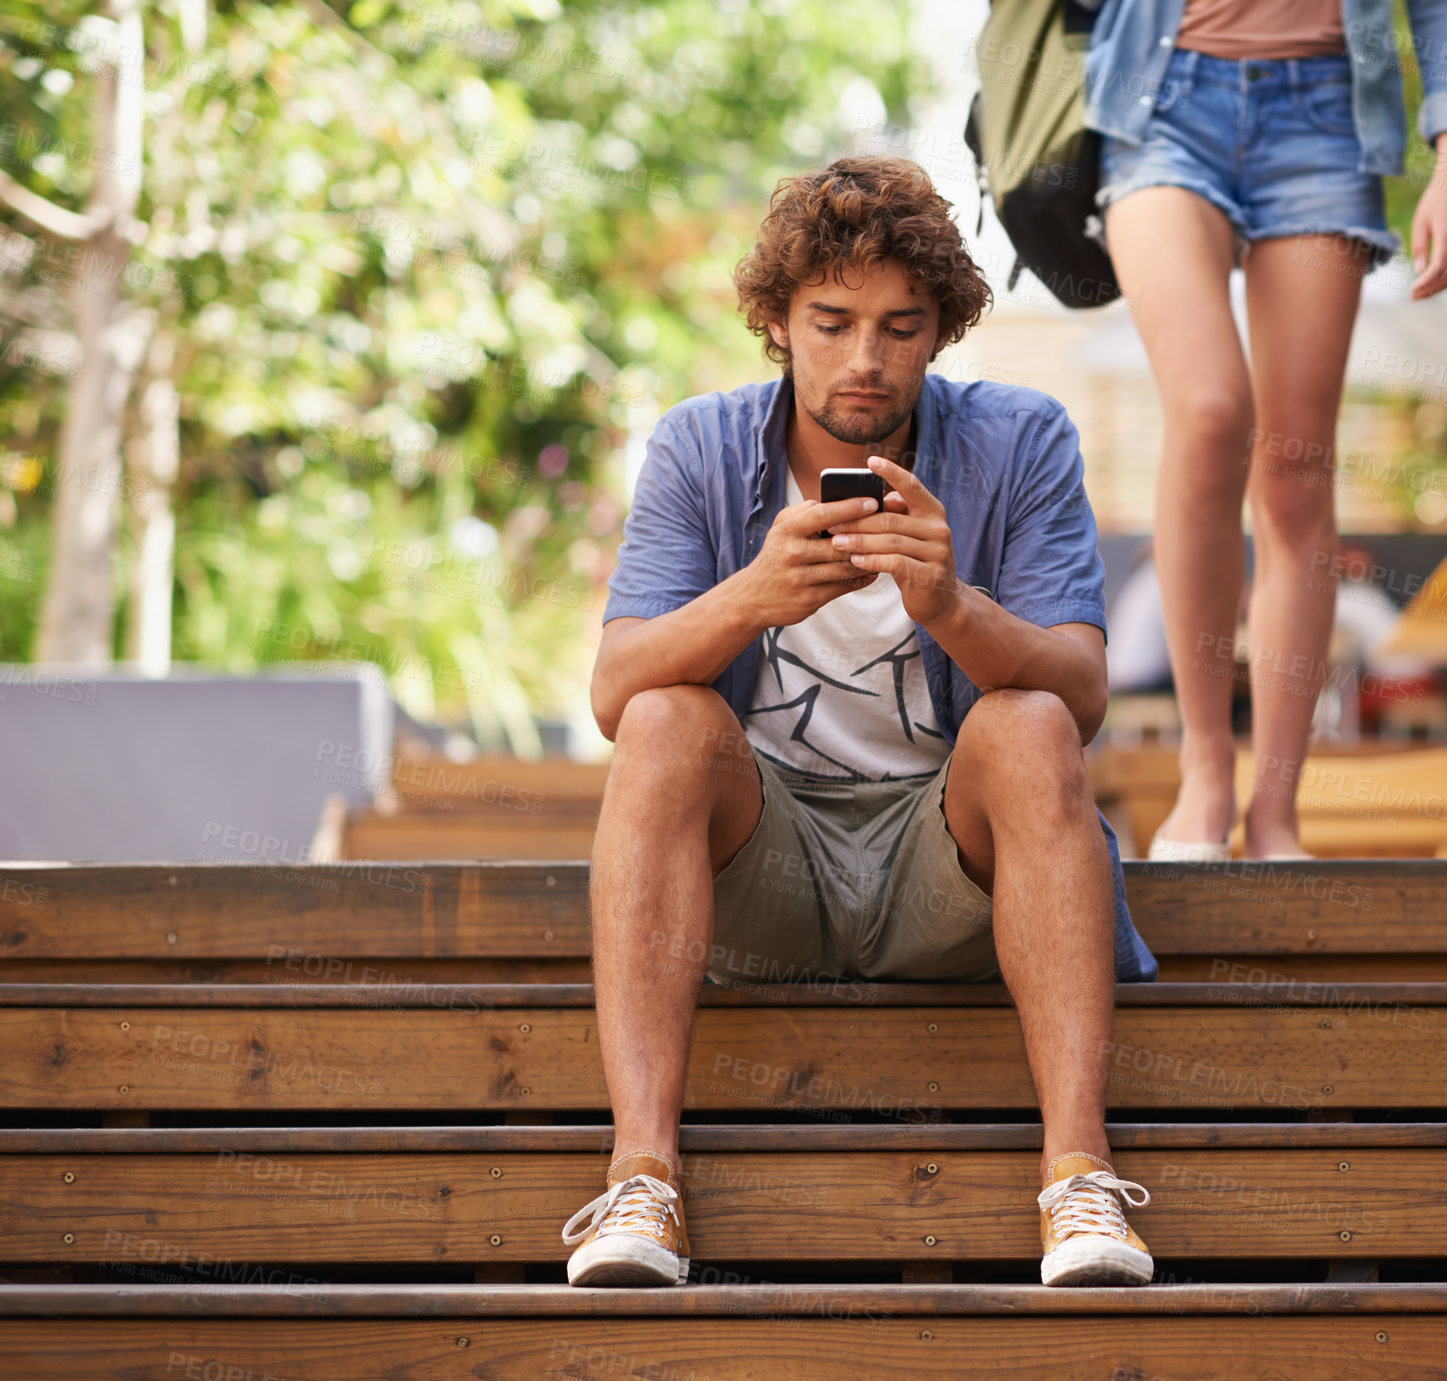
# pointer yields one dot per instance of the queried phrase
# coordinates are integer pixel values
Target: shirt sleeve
(1051, 571)
(667, 557)
(1428, 19)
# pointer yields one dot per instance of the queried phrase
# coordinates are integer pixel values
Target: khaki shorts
(851, 880)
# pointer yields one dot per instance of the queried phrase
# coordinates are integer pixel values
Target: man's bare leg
(683, 797)
(1018, 804)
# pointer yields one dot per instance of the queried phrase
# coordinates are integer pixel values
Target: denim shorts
(850, 880)
(1269, 141)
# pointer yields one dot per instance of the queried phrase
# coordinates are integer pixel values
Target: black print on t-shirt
(805, 701)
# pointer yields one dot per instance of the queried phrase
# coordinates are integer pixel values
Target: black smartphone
(842, 483)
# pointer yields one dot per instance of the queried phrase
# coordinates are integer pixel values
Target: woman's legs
(1301, 299)
(1172, 251)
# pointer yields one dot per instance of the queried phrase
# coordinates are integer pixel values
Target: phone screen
(841, 483)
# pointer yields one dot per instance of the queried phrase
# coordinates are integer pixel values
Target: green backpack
(1034, 156)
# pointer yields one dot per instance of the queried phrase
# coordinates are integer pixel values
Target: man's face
(858, 350)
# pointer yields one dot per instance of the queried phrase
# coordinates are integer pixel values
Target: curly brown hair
(855, 214)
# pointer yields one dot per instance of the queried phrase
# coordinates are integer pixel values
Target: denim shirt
(1133, 39)
(1003, 460)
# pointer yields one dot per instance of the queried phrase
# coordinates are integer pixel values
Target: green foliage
(420, 269)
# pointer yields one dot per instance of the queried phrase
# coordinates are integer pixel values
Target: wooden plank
(715, 1137)
(291, 970)
(1266, 991)
(1247, 967)
(532, 910)
(899, 1063)
(370, 835)
(1253, 907)
(864, 1206)
(433, 835)
(294, 915)
(1343, 837)
(498, 783)
(323, 1299)
(864, 1348)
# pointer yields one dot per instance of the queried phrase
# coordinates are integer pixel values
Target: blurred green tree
(403, 280)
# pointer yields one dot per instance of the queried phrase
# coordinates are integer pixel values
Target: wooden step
(487, 922)
(733, 1333)
(897, 1051)
(370, 834)
(751, 1194)
(1360, 800)
(536, 790)
(1363, 800)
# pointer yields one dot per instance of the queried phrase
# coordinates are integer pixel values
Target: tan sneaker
(636, 1235)
(1083, 1230)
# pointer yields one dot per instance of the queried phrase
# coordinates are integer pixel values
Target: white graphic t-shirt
(842, 694)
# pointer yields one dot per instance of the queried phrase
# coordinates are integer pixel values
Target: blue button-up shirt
(1133, 39)
(1003, 460)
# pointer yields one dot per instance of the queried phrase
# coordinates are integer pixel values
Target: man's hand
(796, 570)
(910, 540)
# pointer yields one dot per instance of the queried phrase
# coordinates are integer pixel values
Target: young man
(896, 711)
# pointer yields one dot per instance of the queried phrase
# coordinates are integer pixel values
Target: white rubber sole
(1093, 1259)
(1179, 851)
(623, 1258)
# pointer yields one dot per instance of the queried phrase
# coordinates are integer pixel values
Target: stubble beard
(862, 429)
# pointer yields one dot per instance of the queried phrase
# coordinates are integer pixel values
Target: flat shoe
(1179, 851)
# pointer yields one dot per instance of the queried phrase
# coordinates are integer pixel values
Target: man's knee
(1018, 720)
(679, 724)
(1026, 740)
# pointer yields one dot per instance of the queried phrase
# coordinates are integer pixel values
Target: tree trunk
(79, 610)
(152, 462)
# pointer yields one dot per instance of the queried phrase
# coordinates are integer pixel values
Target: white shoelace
(1086, 1203)
(638, 1204)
